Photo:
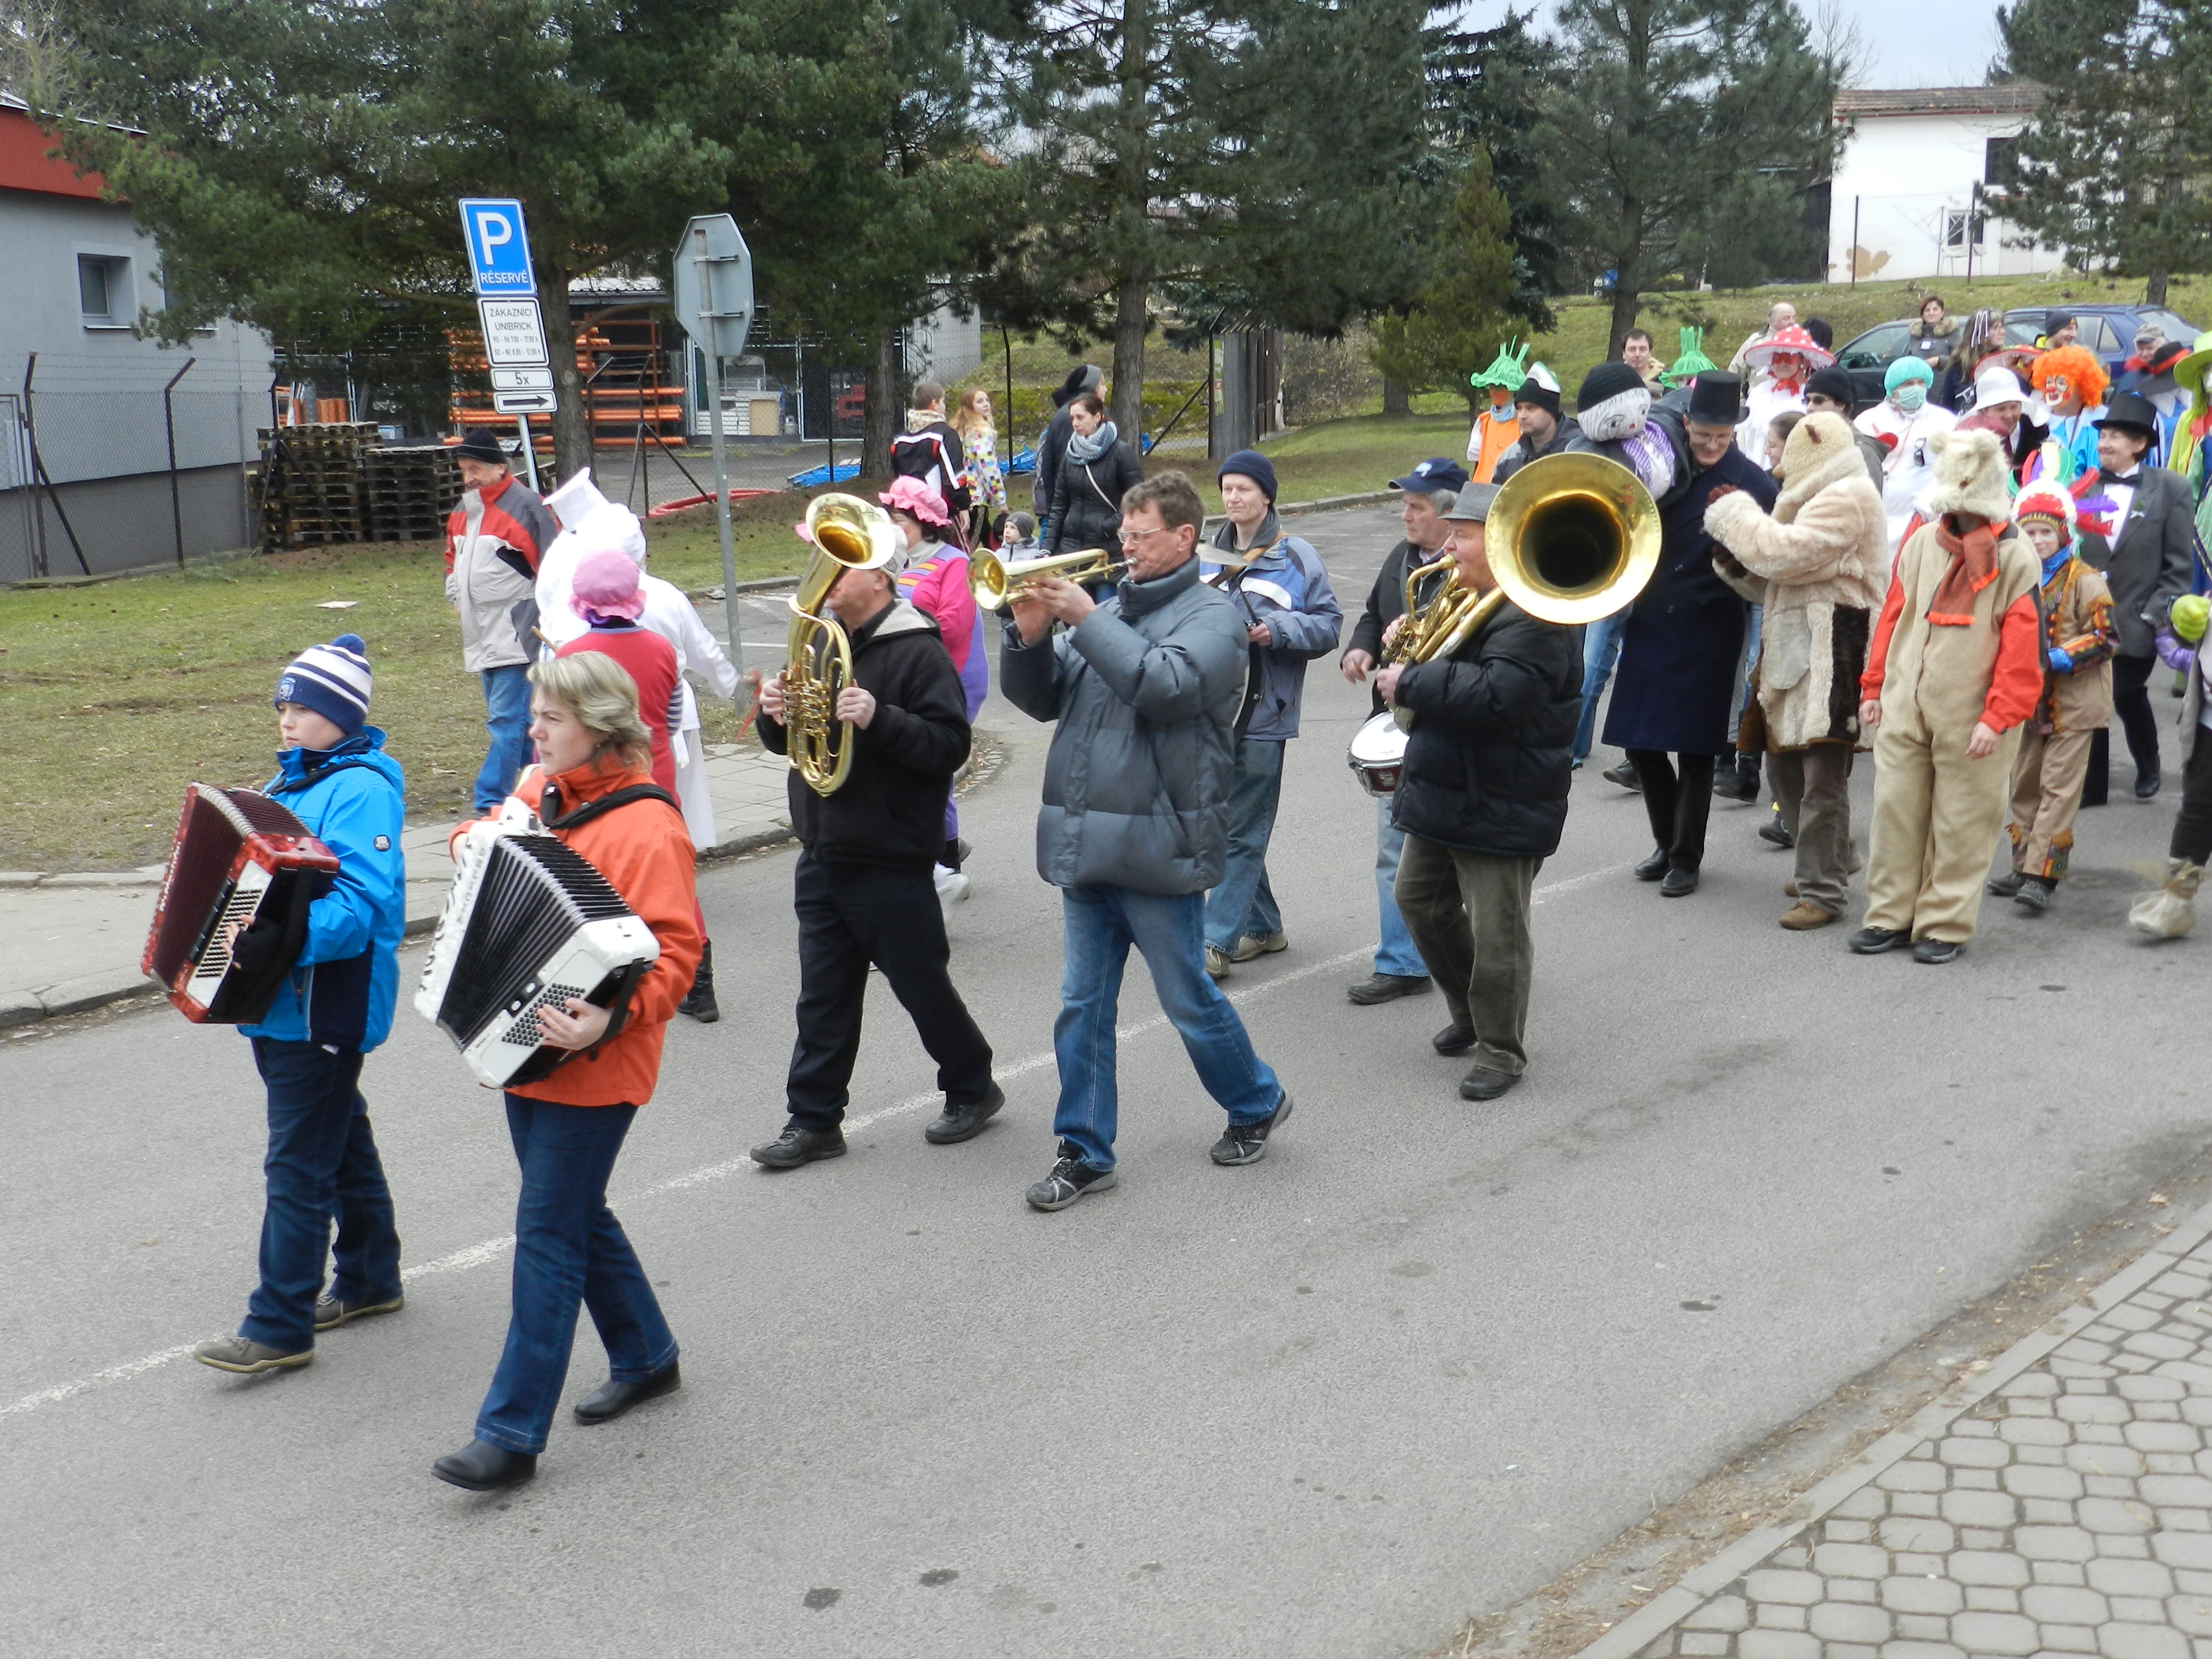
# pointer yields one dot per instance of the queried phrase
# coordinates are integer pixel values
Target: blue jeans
(1243, 903)
(506, 718)
(568, 1249)
(1397, 954)
(1745, 691)
(322, 1165)
(1600, 650)
(1102, 923)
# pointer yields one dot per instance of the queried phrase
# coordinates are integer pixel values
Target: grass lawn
(1344, 458)
(118, 695)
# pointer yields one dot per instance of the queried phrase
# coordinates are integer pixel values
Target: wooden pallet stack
(310, 482)
(407, 492)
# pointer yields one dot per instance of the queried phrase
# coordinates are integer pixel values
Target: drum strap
(591, 809)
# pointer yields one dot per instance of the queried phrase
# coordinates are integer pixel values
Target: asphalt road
(1422, 1358)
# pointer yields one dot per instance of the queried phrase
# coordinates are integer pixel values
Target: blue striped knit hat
(332, 680)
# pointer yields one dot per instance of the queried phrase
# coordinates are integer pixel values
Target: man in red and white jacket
(494, 540)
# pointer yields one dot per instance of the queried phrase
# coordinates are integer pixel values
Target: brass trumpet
(994, 581)
(849, 533)
(1571, 538)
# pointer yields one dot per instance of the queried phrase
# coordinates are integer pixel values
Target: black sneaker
(965, 1120)
(1774, 830)
(1936, 951)
(1247, 1143)
(699, 1002)
(796, 1146)
(1873, 941)
(1387, 988)
(2034, 895)
(1069, 1179)
(2006, 885)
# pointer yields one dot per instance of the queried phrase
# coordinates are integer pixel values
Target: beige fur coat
(1819, 564)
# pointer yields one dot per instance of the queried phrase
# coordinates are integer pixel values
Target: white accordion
(528, 923)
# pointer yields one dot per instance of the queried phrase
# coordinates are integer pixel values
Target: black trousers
(2192, 825)
(1678, 803)
(2131, 707)
(850, 915)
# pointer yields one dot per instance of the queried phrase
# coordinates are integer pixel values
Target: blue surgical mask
(1909, 395)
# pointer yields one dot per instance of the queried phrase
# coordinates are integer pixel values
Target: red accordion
(239, 857)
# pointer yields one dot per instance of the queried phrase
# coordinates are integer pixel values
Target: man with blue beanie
(332, 1008)
(1290, 616)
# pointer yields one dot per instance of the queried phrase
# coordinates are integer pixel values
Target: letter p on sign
(498, 248)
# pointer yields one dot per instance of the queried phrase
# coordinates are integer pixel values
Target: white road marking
(491, 1249)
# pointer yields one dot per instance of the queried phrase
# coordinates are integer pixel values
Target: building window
(103, 290)
(2000, 163)
(1956, 225)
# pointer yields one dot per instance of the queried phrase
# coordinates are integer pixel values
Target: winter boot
(700, 1003)
(2170, 911)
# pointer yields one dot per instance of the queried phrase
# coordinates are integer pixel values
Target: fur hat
(1821, 450)
(1970, 476)
(2046, 500)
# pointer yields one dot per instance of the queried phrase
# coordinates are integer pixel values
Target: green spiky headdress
(1507, 372)
(1690, 361)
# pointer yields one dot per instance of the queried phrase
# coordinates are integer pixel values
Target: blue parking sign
(499, 249)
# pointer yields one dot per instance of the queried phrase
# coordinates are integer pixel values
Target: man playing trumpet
(863, 887)
(1482, 801)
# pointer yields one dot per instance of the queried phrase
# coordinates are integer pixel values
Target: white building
(1904, 201)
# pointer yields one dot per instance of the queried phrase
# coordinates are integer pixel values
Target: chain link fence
(101, 472)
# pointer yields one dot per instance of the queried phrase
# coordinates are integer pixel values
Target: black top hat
(1716, 398)
(479, 445)
(2131, 412)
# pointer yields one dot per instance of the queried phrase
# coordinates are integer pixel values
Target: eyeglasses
(1137, 537)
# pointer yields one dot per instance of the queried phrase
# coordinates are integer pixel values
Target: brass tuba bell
(1570, 538)
(847, 533)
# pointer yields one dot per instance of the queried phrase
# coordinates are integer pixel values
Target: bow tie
(2105, 475)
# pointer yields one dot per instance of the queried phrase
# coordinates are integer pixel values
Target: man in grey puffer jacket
(1146, 687)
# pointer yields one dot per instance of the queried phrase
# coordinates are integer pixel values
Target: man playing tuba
(1482, 801)
(863, 887)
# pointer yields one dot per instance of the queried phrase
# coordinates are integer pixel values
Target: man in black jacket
(1482, 801)
(1544, 429)
(1430, 491)
(2146, 561)
(863, 887)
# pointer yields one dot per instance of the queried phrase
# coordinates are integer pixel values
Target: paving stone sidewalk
(69, 943)
(2064, 1508)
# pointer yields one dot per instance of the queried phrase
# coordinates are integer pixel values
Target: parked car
(2108, 330)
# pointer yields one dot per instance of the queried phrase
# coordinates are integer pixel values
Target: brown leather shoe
(1803, 918)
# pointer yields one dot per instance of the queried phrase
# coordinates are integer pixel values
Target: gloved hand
(2060, 662)
(2190, 612)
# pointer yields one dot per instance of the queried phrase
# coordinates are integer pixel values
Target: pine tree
(2114, 167)
(1658, 113)
(1454, 325)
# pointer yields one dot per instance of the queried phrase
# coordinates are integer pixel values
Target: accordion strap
(606, 803)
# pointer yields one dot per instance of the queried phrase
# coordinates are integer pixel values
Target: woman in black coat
(1087, 496)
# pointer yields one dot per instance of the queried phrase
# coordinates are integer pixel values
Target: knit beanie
(1252, 464)
(1540, 391)
(331, 679)
(1903, 369)
(1831, 382)
(606, 585)
(2046, 502)
(1606, 380)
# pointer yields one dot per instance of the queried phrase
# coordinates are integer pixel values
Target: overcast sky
(1911, 43)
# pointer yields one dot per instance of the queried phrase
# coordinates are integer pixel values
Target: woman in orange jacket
(567, 1128)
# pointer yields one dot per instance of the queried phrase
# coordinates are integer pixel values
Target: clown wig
(2077, 366)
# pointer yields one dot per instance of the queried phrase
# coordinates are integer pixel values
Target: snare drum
(1378, 754)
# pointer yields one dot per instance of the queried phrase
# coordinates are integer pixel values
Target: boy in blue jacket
(334, 1007)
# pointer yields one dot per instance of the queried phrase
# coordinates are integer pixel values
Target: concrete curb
(1709, 1578)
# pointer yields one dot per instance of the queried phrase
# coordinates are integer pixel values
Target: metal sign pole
(529, 453)
(721, 463)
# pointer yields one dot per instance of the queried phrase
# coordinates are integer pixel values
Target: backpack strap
(591, 809)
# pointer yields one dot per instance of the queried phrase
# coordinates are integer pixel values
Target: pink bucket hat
(606, 584)
(912, 495)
